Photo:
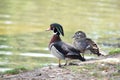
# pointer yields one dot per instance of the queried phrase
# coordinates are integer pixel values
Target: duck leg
(66, 61)
(59, 63)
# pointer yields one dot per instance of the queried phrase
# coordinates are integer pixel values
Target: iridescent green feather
(60, 29)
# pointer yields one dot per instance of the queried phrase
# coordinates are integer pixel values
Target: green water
(23, 24)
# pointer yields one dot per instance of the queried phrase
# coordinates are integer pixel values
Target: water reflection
(37, 55)
(4, 69)
(8, 22)
(5, 46)
(6, 52)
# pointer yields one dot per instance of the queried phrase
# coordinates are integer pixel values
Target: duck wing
(91, 43)
(80, 44)
(62, 50)
(92, 46)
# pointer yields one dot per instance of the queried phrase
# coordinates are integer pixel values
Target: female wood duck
(82, 43)
(60, 49)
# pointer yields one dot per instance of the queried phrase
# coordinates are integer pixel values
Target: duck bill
(48, 29)
(73, 36)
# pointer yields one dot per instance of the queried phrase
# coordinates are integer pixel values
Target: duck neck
(55, 38)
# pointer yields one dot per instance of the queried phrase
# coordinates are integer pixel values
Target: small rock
(39, 74)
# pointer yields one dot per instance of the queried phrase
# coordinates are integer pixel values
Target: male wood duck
(82, 43)
(60, 49)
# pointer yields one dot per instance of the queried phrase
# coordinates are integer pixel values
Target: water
(37, 55)
(24, 41)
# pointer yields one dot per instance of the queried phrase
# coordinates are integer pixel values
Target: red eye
(51, 27)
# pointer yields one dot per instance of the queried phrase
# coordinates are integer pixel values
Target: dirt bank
(103, 68)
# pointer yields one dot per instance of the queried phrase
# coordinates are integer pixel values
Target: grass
(116, 74)
(83, 68)
(24, 64)
(97, 70)
(114, 51)
(16, 70)
(88, 69)
(4, 65)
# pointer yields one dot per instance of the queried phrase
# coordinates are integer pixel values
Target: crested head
(79, 35)
(57, 28)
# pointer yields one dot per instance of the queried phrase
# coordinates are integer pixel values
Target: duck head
(56, 28)
(79, 35)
